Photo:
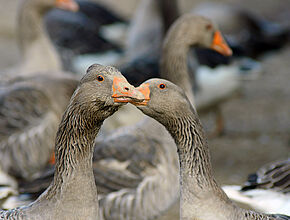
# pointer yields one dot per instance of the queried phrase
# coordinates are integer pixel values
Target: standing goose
(136, 168)
(72, 195)
(196, 31)
(212, 88)
(37, 52)
(201, 198)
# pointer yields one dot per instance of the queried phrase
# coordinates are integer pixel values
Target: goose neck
(174, 65)
(169, 12)
(199, 189)
(36, 49)
(74, 151)
(193, 151)
(201, 196)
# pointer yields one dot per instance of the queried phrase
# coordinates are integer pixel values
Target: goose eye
(208, 27)
(162, 86)
(100, 78)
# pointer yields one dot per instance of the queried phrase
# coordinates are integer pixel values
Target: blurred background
(257, 122)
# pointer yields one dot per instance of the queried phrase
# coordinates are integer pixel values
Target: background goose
(136, 168)
(84, 32)
(267, 190)
(248, 33)
(212, 85)
(73, 193)
(200, 195)
(32, 102)
(31, 109)
(148, 26)
(37, 52)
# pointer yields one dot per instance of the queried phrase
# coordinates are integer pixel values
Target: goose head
(196, 30)
(102, 91)
(45, 5)
(162, 100)
(69, 5)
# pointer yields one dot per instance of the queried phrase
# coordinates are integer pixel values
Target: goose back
(30, 112)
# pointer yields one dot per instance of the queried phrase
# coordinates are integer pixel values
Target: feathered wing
(143, 173)
(274, 176)
(280, 217)
(12, 214)
(26, 119)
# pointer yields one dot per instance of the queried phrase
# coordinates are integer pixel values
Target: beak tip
(229, 52)
(75, 8)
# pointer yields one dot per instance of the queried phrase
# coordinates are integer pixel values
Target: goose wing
(26, 118)
(274, 176)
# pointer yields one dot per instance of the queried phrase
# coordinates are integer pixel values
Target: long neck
(36, 49)
(198, 185)
(169, 12)
(201, 196)
(193, 152)
(173, 66)
(74, 178)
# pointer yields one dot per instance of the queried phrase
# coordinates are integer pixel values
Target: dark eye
(162, 86)
(100, 78)
(208, 27)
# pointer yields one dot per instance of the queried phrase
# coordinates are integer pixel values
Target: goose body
(214, 86)
(201, 197)
(267, 190)
(31, 109)
(141, 184)
(79, 33)
(73, 193)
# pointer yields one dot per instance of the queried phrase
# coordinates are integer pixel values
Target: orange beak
(69, 5)
(145, 91)
(219, 44)
(124, 92)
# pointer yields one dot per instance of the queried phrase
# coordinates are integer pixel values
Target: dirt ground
(257, 122)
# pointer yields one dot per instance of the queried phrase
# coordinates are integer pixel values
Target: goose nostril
(126, 88)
